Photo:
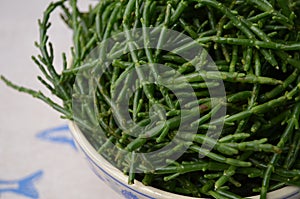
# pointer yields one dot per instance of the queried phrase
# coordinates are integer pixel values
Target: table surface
(37, 154)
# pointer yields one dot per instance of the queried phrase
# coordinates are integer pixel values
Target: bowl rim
(140, 188)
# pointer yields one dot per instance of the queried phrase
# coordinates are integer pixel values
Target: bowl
(115, 179)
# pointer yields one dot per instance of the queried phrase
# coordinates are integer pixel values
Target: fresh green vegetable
(256, 47)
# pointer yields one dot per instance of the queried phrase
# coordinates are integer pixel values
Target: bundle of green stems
(255, 45)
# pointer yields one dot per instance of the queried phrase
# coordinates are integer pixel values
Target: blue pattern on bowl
(129, 195)
(121, 188)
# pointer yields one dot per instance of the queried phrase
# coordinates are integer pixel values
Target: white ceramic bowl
(118, 181)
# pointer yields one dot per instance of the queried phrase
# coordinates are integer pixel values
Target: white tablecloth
(37, 155)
